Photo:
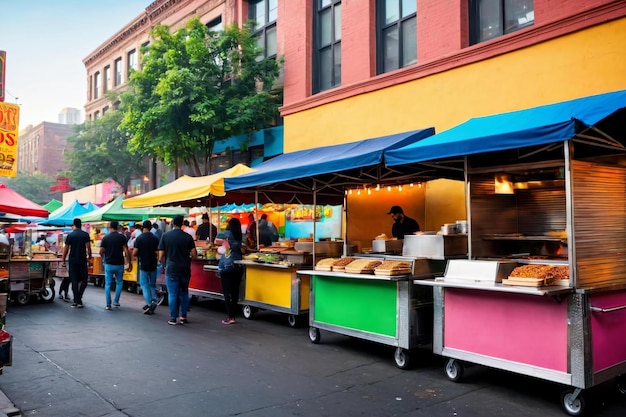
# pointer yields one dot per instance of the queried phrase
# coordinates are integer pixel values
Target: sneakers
(146, 310)
(116, 304)
(80, 305)
(183, 320)
(171, 322)
(74, 305)
(229, 321)
(153, 307)
(107, 307)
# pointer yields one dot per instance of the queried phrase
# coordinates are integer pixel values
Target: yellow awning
(187, 188)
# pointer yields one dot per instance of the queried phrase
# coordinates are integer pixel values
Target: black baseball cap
(395, 210)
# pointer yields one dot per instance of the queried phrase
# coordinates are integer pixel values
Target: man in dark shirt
(78, 244)
(206, 230)
(176, 251)
(114, 253)
(145, 248)
(402, 225)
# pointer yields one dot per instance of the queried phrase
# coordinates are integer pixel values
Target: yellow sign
(9, 122)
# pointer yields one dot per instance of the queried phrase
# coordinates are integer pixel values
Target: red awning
(13, 203)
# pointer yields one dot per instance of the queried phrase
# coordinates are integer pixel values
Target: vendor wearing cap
(402, 225)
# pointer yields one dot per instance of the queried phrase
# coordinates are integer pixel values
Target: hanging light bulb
(411, 184)
(389, 188)
(350, 192)
(369, 191)
(358, 192)
(419, 184)
(377, 187)
(399, 188)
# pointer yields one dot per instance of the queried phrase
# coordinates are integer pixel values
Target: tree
(195, 88)
(35, 187)
(100, 151)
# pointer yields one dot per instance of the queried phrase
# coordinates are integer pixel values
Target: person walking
(176, 251)
(230, 272)
(78, 245)
(114, 251)
(146, 250)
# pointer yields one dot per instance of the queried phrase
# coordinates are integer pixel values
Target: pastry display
(362, 266)
(537, 275)
(393, 268)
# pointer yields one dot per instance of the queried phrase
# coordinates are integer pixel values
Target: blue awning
(324, 160)
(535, 126)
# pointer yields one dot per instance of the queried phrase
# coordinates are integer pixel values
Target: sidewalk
(7, 408)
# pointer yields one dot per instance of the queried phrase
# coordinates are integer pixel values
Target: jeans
(147, 280)
(109, 271)
(78, 277)
(178, 295)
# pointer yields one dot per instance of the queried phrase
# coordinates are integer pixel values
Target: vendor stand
(562, 205)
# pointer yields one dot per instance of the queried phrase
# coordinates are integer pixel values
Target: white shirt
(4, 239)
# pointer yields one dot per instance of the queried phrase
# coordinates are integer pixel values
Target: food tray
(528, 282)
(359, 270)
(391, 272)
(339, 268)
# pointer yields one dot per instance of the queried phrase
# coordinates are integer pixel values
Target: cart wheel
(47, 295)
(314, 334)
(22, 298)
(292, 319)
(574, 406)
(402, 358)
(162, 298)
(247, 311)
(453, 370)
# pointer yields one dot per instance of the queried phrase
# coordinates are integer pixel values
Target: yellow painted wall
(584, 63)
(431, 204)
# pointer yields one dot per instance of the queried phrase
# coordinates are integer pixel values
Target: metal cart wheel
(314, 334)
(248, 311)
(22, 298)
(453, 370)
(572, 402)
(161, 298)
(47, 295)
(292, 319)
(402, 358)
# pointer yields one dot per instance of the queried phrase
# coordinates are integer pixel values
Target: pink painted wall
(527, 329)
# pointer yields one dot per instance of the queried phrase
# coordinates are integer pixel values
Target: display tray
(359, 270)
(528, 282)
(339, 268)
(323, 268)
(391, 272)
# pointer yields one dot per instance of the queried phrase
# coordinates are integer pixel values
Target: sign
(9, 118)
(3, 58)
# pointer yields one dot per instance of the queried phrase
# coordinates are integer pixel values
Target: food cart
(544, 188)
(381, 307)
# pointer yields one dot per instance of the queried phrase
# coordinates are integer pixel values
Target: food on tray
(537, 275)
(362, 266)
(560, 272)
(381, 236)
(393, 268)
(335, 264)
(532, 271)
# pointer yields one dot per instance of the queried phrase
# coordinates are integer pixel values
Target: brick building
(41, 148)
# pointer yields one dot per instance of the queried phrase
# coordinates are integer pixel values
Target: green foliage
(196, 88)
(35, 187)
(100, 151)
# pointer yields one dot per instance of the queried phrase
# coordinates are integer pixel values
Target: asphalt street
(92, 362)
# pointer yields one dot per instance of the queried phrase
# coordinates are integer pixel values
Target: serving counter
(275, 287)
(390, 310)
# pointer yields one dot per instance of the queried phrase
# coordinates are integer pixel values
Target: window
(107, 78)
(215, 24)
(327, 41)
(96, 115)
(264, 14)
(132, 62)
(96, 85)
(118, 71)
(396, 34)
(492, 18)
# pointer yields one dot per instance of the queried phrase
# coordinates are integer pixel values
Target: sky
(46, 42)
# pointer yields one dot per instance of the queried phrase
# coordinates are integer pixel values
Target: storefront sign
(3, 58)
(9, 118)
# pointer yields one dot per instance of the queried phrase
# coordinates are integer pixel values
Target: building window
(118, 71)
(396, 34)
(215, 25)
(96, 115)
(105, 110)
(144, 52)
(493, 18)
(107, 78)
(327, 41)
(132, 62)
(96, 85)
(264, 14)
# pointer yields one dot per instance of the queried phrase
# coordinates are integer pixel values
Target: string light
(377, 187)
(399, 188)
(369, 191)
(389, 188)
(411, 184)
(358, 192)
